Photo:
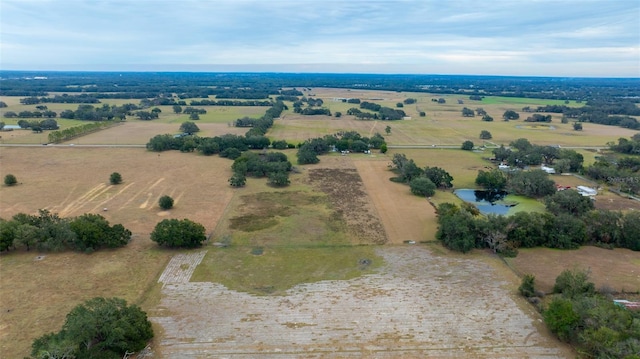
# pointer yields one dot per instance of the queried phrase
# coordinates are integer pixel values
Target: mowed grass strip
(275, 269)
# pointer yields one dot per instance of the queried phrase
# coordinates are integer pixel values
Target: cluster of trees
(536, 117)
(467, 112)
(30, 114)
(312, 107)
(205, 145)
(39, 126)
(422, 182)
(273, 165)
(589, 320)
(522, 153)
(227, 145)
(105, 328)
(207, 102)
(103, 113)
(64, 98)
(620, 172)
(309, 150)
(77, 131)
(534, 183)
(510, 115)
(46, 231)
(383, 113)
(190, 110)
(614, 112)
(569, 223)
(148, 115)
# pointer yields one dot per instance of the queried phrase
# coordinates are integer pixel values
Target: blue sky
(522, 37)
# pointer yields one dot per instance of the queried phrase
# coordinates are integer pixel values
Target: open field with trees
(348, 257)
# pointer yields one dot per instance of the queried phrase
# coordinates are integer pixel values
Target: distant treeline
(261, 85)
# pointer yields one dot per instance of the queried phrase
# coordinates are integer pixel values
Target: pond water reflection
(486, 201)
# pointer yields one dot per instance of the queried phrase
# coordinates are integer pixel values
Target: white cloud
(485, 37)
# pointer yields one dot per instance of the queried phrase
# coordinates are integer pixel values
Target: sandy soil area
(418, 305)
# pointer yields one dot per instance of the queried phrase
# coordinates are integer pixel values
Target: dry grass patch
(37, 290)
(617, 268)
(72, 181)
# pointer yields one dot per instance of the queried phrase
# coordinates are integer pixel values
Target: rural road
(389, 146)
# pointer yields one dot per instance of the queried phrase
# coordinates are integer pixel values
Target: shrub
(527, 288)
(115, 178)
(422, 186)
(10, 180)
(165, 202)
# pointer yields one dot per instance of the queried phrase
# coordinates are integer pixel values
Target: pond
(486, 201)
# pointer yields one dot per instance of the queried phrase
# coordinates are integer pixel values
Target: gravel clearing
(418, 305)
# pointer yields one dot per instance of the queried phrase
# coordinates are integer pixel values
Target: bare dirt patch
(405, 216)
(418, 305)
(340, 180)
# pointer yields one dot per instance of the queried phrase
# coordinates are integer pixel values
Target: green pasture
(281, 238)
(521, 101)
(275, 270)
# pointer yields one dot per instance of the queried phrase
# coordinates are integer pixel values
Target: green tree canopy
(189, 127)
(467, 145)
(510, 115)
(493, 180)
(165, 202)
(10, 180)
(115, 178)
(98, 328)
(422, 186)
(570, 202)
(179, 233)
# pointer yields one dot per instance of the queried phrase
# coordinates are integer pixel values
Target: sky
(564, 38)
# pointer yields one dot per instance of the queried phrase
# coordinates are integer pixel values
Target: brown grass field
(75, 180)
(618, 269)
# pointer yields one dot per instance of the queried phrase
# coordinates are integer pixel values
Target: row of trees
(522, 153)
(309, 150)
(569, 223)
(39, 126)
(47, 231)
(604, 112)
(207, 102)
(30, 114)
(589, 320)
(77, 131)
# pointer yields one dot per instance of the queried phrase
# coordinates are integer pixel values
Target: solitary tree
(510, 115)
(189, 127)
(387, 130)
(577, 126)
(179, 233)
(467, 145)
(165, 202)
(177, 108)
(10, 180)
(485, 135)
(115, 178)
(98, 328)
(194, 116)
